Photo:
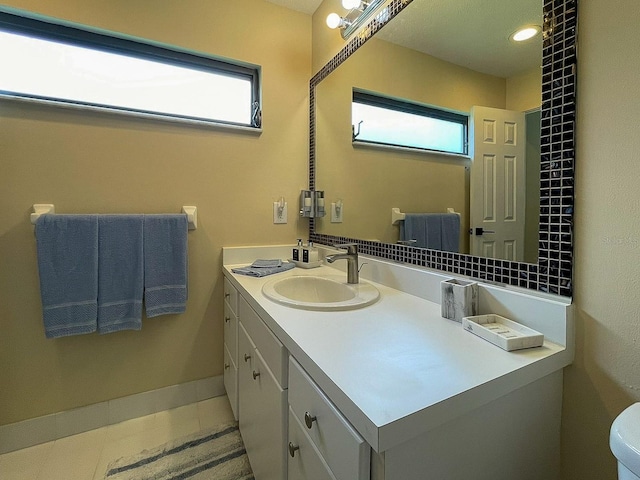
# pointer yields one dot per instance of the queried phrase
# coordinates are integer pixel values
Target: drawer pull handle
(226, 319)
(255, 374)
(246, 357)
(308, 420)
(292, 449)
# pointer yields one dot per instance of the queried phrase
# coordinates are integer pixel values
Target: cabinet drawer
(344, 450)
(273, 352)
(231, 382)
(231, 332)
(231, 295)
(306, 463)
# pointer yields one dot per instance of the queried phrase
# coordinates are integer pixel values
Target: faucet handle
(352, 248)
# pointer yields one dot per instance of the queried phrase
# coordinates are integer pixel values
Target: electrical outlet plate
(336, 213)
(279, 216)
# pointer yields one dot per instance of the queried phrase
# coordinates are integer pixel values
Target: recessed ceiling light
(526, 33)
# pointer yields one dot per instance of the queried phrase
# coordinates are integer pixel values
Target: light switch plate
(279, 217)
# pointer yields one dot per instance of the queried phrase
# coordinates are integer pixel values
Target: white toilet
(624, 441)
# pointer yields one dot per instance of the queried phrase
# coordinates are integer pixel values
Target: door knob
(479, 231)
(246, 357)
(255, 374)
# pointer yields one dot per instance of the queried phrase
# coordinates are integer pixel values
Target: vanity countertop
(397, 369)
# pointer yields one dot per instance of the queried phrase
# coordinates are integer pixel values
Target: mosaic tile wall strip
(555, 249)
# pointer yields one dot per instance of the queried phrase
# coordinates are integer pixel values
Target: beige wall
(524, 91)
(85, 162)
(605, 377)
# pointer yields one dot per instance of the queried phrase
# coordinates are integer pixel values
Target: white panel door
(497, 190)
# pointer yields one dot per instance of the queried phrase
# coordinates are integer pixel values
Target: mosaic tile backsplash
(553, 271)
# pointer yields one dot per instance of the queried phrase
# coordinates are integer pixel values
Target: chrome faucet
(352, 260)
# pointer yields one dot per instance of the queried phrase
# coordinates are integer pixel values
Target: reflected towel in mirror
(437, 231)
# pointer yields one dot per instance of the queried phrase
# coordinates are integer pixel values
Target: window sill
(132, 114)
(414, 150)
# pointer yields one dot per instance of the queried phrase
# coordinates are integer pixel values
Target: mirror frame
(553, 272)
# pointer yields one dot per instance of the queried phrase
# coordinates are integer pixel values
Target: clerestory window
(54, 61)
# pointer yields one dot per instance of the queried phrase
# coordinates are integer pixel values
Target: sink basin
(329, 292)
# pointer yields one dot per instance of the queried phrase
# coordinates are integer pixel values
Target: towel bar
(397, 215)
(42, 208)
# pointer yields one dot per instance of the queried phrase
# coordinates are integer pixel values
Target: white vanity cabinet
(231, 345)
(394, 391)
(262, 389)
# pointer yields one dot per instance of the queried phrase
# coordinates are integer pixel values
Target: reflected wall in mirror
(362, 177)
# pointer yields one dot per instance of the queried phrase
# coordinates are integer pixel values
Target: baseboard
(34, 431)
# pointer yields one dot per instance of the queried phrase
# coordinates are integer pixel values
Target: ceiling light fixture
(525, 33)
(336, 21)
(359, 12)
(354, 5)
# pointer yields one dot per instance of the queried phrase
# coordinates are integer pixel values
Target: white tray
(503, 332)
(306, 265)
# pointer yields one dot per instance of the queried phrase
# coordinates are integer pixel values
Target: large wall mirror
(436, 54)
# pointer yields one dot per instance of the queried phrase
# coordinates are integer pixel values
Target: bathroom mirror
(547, 263)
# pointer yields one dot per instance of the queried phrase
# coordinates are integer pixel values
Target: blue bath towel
(165, 264)
(67, 247)
(120, 272)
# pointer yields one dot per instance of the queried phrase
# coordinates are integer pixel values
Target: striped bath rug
(216, 454)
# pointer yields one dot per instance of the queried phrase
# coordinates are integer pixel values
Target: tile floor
(85, 456)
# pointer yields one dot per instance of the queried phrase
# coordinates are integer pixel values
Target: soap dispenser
(313, 253)
(296, 254)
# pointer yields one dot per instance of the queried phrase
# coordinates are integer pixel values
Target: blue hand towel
(120, 272)
(258, 271)
(165, 264)
(67, 247)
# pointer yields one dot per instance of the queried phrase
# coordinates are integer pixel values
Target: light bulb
(351, 4)
(525, 33)
(333, 20)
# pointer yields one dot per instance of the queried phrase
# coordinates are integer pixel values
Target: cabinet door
(262, 412)
(271, 349)
(304, 462)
